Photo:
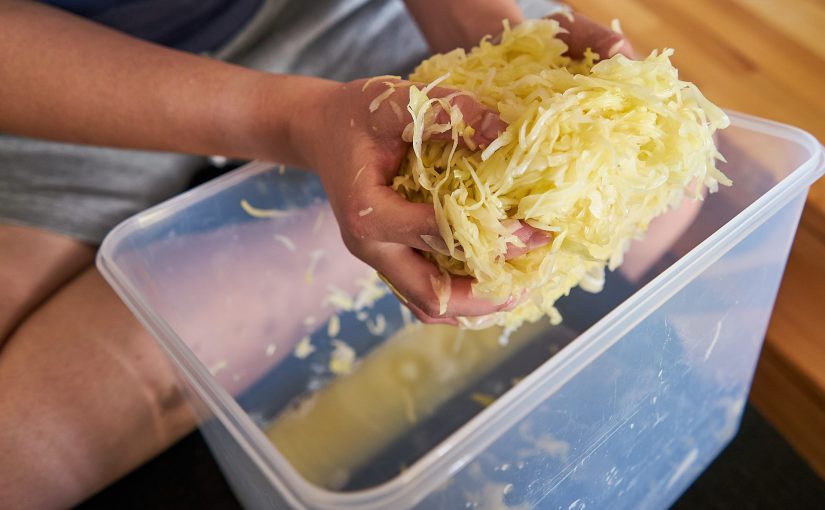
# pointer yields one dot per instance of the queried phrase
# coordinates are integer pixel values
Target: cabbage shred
(594, 150)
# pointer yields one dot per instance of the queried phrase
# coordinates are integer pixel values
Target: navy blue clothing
(191, 25)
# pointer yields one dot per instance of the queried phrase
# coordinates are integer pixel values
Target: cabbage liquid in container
(317, 390)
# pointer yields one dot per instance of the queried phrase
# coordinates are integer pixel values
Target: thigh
(33, 264)
(83, 191)
(87, 396)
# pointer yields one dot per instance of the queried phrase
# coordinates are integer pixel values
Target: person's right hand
(357, 153)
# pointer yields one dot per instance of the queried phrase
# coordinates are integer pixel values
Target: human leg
(33, 263)
(87, 396)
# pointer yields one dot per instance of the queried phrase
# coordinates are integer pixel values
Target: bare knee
(121, 352)
(88, 393)
(33, 265)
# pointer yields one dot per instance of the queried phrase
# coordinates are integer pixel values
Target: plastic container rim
(448, 457)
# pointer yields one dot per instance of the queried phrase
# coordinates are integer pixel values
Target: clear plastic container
(620, 407)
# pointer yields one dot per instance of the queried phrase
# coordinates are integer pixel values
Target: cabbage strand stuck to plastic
(593, 152)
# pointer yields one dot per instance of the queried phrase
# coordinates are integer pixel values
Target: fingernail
(511, 303)
(491, 126)
(565, 14)
(616, 48)
(436, 243)
(537, 239)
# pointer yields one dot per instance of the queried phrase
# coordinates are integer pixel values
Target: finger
(412, 276)
(393, 117)
(426, 319)
(384, 215)
(583, 33)
(531, 237)
(486, 123)
(392, 218)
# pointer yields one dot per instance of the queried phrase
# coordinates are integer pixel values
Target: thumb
(486, 123)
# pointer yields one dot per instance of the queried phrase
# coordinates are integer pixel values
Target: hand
(585, 33)
(357, 153)
(462, 23)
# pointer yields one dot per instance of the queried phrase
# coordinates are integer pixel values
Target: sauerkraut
(594, 150)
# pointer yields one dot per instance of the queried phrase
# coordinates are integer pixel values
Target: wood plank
(798, 415)
(766, 58)
(738, 59)
(813, 222)
(785, 61)
(798, 311)
(802, 23)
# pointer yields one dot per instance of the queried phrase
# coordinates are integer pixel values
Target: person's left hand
(455, 24)
(583, 33)
(462, 24)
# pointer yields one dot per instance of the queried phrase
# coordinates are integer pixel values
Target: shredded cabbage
(304, 348)
(342, 359)
(378, 326)
(333, 326)
(256, 212)
(285, 241)
(483, 399)
(593, 151)
(314, 257)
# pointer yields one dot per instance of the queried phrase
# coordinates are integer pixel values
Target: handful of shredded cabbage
(595, 149)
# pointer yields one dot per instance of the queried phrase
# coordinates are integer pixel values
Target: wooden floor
(767, 58)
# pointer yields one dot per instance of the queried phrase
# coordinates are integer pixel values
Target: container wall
(637, 425)
(247, 479)
(234, 293)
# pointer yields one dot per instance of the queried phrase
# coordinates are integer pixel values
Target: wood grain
(766, 58)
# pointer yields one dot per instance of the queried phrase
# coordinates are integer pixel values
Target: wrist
(314, 112)
(282, 118)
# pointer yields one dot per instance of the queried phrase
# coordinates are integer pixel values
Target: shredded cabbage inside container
(594, 150)
(342, 359)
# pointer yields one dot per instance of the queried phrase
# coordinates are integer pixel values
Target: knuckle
(358, 224)
(353, 244)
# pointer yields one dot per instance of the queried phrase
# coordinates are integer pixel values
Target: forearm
(461, 23)
(68, 79)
